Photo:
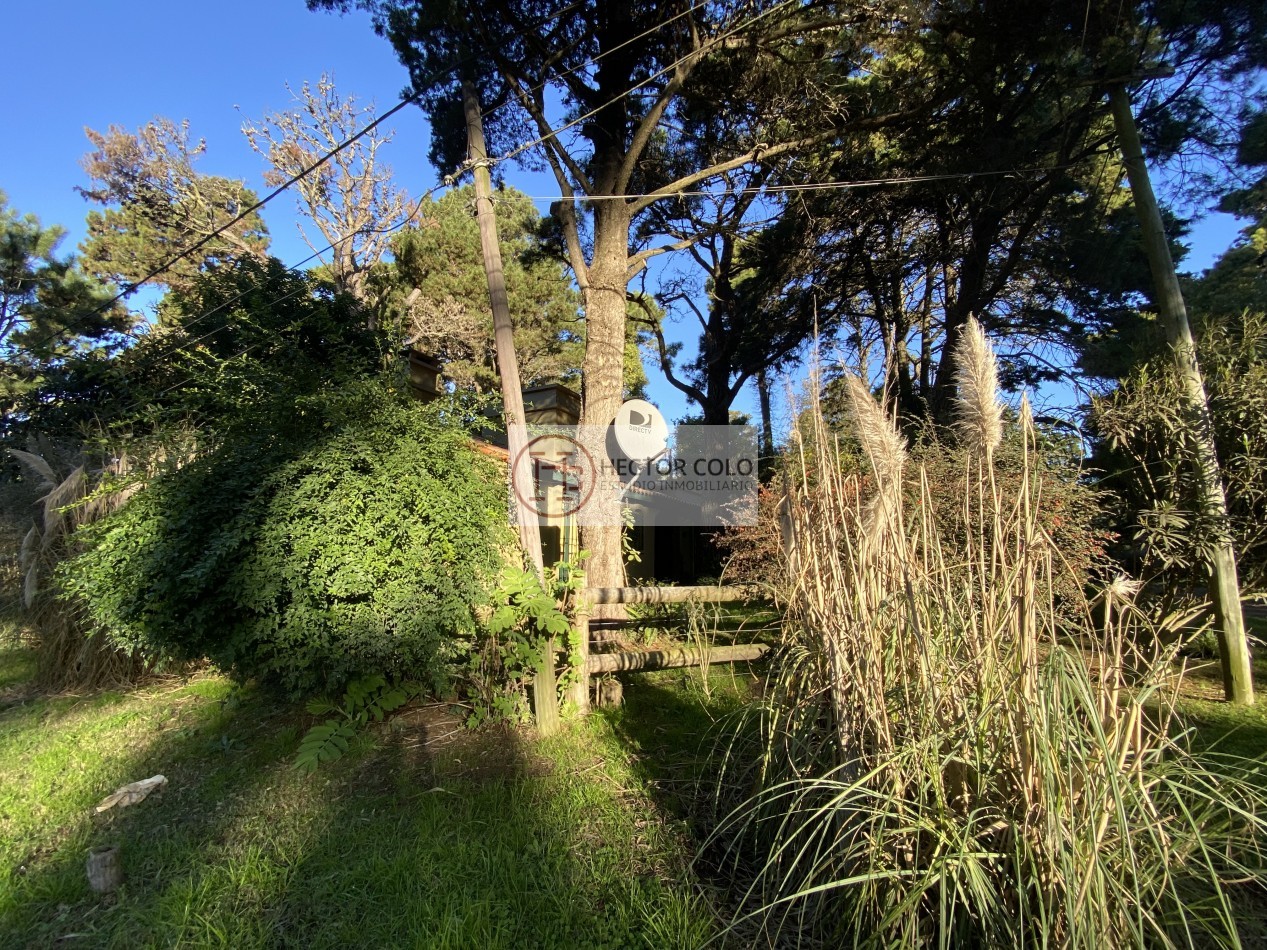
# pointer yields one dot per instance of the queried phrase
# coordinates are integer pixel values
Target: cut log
(669, 659)
(670, 595)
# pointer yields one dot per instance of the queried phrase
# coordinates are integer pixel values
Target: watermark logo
(560, 469)
(636, 470)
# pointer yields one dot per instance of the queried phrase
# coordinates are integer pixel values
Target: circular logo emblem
(640, 430)
(559, 476)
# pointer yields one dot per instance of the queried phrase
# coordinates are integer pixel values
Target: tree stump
(105, 873)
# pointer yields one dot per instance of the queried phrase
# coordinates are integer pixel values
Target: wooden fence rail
(654, 659)
(670, 595)
(668, 659)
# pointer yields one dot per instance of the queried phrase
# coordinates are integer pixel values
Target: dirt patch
(425, 746)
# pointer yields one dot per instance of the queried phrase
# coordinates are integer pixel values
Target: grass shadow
(678, 729)
(491, 838)
(219, 749)
(425, 834)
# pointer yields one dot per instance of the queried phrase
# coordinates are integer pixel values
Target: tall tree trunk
(518, 460)
(717, 401)
(767, 423)
(926, 342)
(603, 370)
(966, 302)
(765, 459)
(1238, 679)
(717, 358)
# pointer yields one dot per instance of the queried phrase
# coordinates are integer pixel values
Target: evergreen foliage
(449, 316)
(241, 334)
(48, 306)
(158, 206)
(1145, 434)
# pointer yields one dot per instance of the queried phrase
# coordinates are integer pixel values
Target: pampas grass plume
(979, 414)
(880, 440)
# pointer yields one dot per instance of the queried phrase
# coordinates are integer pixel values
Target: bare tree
(351, 198)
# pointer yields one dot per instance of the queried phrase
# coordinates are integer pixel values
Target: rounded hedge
(352, 534)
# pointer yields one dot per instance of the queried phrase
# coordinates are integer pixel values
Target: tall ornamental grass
(71, 495)
(946, 758)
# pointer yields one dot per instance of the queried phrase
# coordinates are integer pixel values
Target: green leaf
(324, 743)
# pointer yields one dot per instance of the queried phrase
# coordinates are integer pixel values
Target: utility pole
(521, 475)
(1238, 680)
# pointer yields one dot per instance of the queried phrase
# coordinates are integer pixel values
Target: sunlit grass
(426, 835)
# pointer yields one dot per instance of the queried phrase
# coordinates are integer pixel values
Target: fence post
(581, 687)
(545, 693)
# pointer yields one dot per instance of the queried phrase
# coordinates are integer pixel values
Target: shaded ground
(1239, 731)
(426, 834)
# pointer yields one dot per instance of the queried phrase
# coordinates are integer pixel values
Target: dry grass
(942, 765)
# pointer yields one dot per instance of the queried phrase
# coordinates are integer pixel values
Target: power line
(297, 177)
(770, 189)
(430, 192)
(605, 53)
(347, 143)
(305, 172)
(406, 101)
(519, 150)
(767, 189)
(352, 140)
(316, 254)
(554, 133)
(813, 186)
(295, 268)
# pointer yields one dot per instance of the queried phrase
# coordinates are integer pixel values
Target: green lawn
(1238, 731)
(426, 835)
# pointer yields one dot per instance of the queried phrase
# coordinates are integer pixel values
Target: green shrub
(529, 626)
(338, 536)
(1146, 447)
(367, 698)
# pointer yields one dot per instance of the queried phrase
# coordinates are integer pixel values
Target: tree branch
(666, 361)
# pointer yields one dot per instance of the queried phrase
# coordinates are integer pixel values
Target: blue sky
(78, 64)
(75, 64)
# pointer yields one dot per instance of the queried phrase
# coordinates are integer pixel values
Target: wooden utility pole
(521, 475)
(1238, 680)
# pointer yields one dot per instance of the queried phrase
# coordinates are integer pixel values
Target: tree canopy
(443, 295)
(157, 206)
(49, 307)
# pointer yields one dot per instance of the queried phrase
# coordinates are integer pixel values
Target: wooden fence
(591, 663)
